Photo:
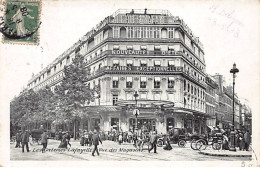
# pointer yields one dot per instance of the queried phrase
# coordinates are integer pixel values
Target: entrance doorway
(146, 125)
(95, 122)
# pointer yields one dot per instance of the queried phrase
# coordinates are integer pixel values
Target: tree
(46, 106)
(73, 93)
(24, 108)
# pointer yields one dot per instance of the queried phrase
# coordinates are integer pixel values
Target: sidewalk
(227, 153)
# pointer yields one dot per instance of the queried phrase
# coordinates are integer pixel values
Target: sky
(229, 31)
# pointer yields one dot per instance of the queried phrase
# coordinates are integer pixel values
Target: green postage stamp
(21, 22)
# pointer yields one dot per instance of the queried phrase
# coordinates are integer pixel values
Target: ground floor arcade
(107, 118)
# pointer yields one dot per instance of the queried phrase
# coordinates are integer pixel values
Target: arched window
(164, 33)
(122, 32)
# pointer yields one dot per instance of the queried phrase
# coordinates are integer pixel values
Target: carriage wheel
(182, 143)
(201, 144)
(193, 144)
(159, 143)
(216, 146)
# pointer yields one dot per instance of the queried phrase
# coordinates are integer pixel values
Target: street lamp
(234, 70)
(136, 113)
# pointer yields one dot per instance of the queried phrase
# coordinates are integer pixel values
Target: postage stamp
(21, 21)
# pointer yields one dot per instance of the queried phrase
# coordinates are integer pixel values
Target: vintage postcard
(129, 83)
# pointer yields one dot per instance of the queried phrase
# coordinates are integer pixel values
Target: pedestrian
(247, 140)
(68, 138)
(18, 139)
(86, 142)
(60, 135)
(82, 140)
(242, 141)
(95, 140)
(120, 138)
(31, 140)
(90, 134)
(63, 143)
(168, 145)
(25, 140)
(153, 141)
(134, 138)
(44, 140)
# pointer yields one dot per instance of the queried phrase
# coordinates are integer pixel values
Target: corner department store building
(147, 51)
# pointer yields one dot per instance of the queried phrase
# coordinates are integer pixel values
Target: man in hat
(18, 139)
(95, 141)
(44, 140)
(68, 138)
(25, 140)
(153, 141)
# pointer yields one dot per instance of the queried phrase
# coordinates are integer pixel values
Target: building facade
(211, 90)
(148, 52)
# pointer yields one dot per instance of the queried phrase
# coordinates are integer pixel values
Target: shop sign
(129, 52)
(144, 69)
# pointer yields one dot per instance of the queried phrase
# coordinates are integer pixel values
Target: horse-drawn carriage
(36, 135)
(178, 136)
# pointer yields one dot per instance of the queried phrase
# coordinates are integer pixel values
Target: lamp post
(136, 113)
(234, 70)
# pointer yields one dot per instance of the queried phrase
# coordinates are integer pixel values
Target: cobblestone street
(111, 151)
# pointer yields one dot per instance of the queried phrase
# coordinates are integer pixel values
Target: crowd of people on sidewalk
(242, 138)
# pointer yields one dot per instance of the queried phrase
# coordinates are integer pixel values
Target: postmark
(21, 21)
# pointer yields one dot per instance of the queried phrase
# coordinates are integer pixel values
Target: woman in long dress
(63, 143)
(168, 145)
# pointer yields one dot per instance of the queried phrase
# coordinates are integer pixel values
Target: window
(115, 63)
(188, 87)
(143, 63)
(135, 32)
(191, 89)
(115, 123)
(170, 32)
(184, 84)
(129, 63)
(115, 82)
(129, 82)
(170, 82)
(164, 33)
(115, 99)
(143, 95)
(138, 32)
(170, 63)
(54, 68)
(143, 47)
(116, 47)
(116, 32)
(157, 82)
(122, 32)
(157, 63)
(130, 32)
(143, 82)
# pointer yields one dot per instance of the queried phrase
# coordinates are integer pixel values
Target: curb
(224, 155)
